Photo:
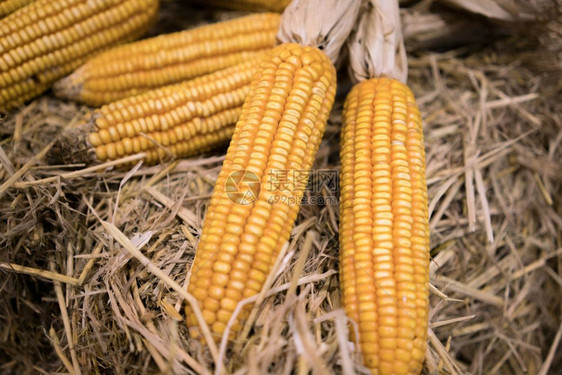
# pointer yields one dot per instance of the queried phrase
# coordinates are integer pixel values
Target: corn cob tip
(72, 146)
(70, 86)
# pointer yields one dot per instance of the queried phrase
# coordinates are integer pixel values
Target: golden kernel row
(181, 141)
(10, 6)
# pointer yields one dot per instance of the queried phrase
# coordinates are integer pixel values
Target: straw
(492, 119)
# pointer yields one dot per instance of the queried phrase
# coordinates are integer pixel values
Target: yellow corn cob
(137, 67)
(280, 128)
(248, 5)
(180, 120)
(10, 6)
(384, 234)
(47, 39)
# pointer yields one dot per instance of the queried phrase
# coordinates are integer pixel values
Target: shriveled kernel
(95, 139)
(101, 153)
(104, 136)
(111, 152)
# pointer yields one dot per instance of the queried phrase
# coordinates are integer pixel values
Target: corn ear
(137, 67)
(384, 232)
(251, 215)
(175, 121)
(48, 39)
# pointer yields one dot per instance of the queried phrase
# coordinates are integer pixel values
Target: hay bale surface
(73, 298)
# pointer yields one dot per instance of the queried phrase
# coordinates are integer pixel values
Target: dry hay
(73, 293)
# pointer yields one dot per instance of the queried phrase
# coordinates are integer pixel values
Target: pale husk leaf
(376, 47)
(325, 24)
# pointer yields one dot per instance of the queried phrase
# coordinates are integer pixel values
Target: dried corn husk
(325, 24)
(376, 47)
